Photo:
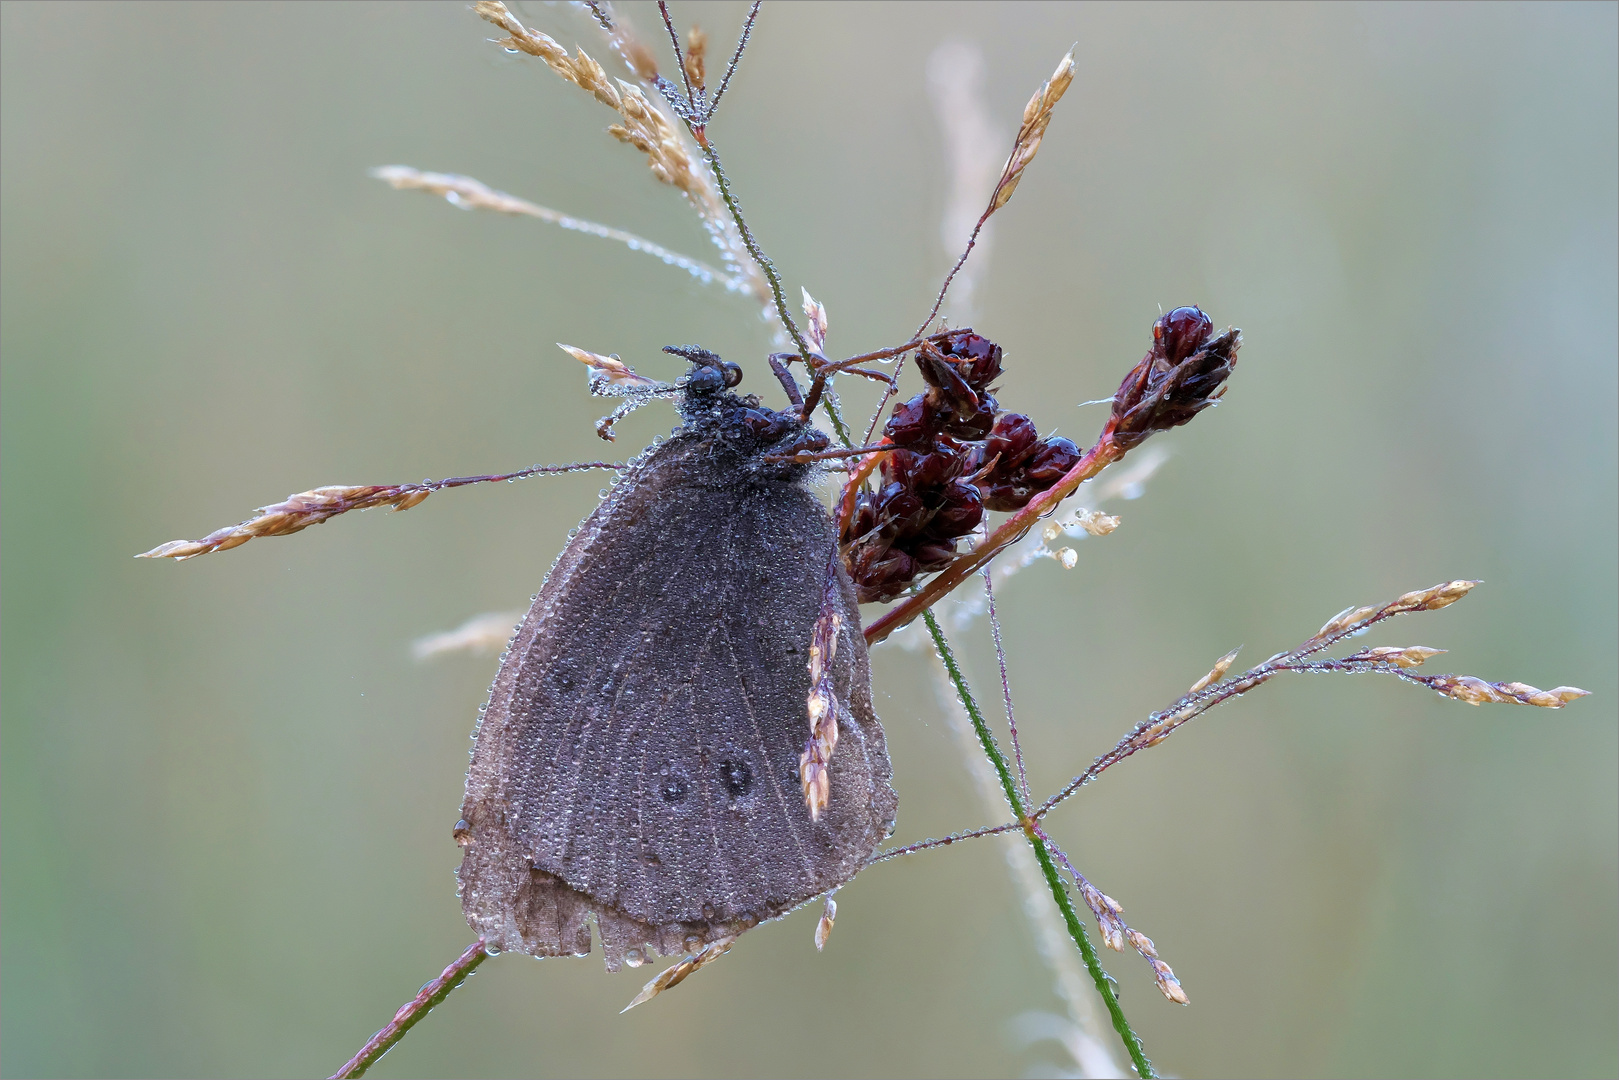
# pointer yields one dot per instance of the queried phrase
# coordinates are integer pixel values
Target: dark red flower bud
(913, 423)
(1013, 438)
(973, 424)
(1054, 458)
(1182, 375)
(881, 573)
(981, 356)
(921, 471)
(933, 555)
(900, 511)
(1181, 332)
(1005, 496)
(960, 509)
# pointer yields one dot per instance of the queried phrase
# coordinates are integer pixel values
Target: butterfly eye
(705, 380)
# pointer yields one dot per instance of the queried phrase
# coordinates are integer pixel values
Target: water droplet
(633, 958)
(737, 777)
(492, 950)
(708, 911)
(462, 833)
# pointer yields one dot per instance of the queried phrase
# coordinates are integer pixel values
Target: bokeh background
(228, 788)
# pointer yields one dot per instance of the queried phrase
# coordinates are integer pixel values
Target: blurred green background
(228, 788)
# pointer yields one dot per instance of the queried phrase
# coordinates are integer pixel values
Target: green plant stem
(1093, 963)
(1076, 929)
(712, 155)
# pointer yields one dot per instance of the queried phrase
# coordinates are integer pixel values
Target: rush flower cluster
(956, 454)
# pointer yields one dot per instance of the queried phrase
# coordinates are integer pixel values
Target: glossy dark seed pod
(1181, 331)
(882, 574)
(981, 356)
(912, 424)
(1054, 457)
(1184, 373)
(1012, 440)
(947, 389)
(973, 425)
(919, 471)
(957, 455)
(933, 554)
(900, 511)
(959, 510)
(864, 518)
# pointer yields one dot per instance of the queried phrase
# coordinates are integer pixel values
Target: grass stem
(1048, 868)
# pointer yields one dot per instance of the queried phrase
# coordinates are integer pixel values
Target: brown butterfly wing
(638, 756)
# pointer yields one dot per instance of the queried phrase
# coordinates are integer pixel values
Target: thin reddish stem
(413, 1010)
(943, 841)
(1006, 689)
(1097, 458)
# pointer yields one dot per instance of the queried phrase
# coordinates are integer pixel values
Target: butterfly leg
(785, 377)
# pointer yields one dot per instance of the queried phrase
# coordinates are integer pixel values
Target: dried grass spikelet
(1095, 522)
(696, 50)
(1400, 656)
(298, 512)
(677, 973)
(1116, 935)
(823, 928)
(1399, 661)
(1351, 619)
(1477, 692)
(295, 513)
(469, 193)
(646, 127)
(1036, 117)
(630, 48)
(822, 707)
(815, 323)
(1217, 672)
(610, 376)
(1168, 985)
(486, 633)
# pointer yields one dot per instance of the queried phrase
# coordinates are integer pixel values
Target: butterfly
(642, 757)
